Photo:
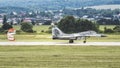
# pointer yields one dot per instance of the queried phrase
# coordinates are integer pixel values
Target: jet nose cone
(103, 35)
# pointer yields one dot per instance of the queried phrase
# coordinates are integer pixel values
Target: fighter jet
(58, 34)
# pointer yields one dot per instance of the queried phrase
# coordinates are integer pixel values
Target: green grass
(38, 29)
(41, 36)
(48, 37)
(59, 57)
(107, 26)
(109, 38)
(45, 27)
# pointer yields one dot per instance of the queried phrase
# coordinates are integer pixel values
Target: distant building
(77, 17)
(27, 20)
(44, 21)
(1, 21)
(13, 13)
(85, 17)
(15, 22)
(47, 22)
(57, 18)
(116, 17)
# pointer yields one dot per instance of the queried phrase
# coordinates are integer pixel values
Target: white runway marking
(60, 43)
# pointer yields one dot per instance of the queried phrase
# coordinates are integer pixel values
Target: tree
(1, 30)
(6, 26)
(70, 25)
(33, 22)
(85, 25)
(117, 28)
(108, 30)
(27, 27)
(67, 24)
(4, 19)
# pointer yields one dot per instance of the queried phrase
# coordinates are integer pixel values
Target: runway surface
(59, 43)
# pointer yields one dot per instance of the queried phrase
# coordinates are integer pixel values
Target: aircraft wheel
(71, 41)
(84, 41)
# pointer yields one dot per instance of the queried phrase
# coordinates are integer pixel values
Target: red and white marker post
(10, 34)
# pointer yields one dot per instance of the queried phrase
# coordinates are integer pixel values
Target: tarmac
(14, 43)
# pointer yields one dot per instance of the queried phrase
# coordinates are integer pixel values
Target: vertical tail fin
(56, 32)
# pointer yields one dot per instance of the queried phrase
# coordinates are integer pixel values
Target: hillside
(10, 9)
(55, 4)
(105, 7)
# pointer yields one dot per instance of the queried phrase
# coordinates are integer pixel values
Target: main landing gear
(71, 41)
(84, 40)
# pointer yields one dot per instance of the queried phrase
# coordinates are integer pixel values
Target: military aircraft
(58, 34)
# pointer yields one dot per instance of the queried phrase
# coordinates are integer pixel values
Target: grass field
(48, 37)
(107, 26)
(59, 57)
(38, 29)
(45, 27)
(42, 36)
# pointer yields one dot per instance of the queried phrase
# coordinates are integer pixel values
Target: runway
(59, 43)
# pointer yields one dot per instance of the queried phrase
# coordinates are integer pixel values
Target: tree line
(70, 25)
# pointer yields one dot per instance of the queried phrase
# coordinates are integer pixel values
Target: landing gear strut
(85, 40)
(71, 41)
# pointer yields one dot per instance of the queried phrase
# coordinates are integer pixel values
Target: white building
(1, 21)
